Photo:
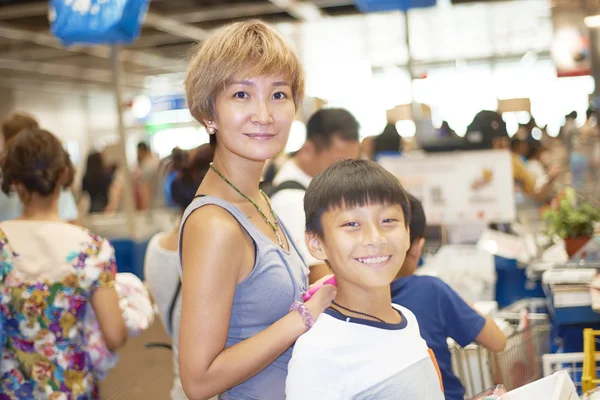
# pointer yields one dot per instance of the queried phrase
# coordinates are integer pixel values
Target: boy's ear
(416, 248)
(314, 246)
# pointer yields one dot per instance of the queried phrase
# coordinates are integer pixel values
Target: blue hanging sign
(392, 5)
(107, 22)
(166, 103)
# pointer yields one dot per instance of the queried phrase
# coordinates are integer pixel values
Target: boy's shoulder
(326, 331)
(426, 280)
(420, 283)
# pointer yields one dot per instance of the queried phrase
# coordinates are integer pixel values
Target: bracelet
(304, 312)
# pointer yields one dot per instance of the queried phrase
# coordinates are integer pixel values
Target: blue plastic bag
(97, 21)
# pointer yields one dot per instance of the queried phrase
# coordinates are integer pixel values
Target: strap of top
(200, 201)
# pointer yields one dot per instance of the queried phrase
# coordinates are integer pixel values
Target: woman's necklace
(274, 225)
(357, 312)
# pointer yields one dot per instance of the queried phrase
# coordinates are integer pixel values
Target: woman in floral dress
(49, 271)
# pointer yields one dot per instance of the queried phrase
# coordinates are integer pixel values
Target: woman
(96, 182)
(162, 257)
(50, 271)
(240, 271)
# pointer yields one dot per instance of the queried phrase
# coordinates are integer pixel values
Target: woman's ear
(314, 246)
(211, 127)
(65, 178)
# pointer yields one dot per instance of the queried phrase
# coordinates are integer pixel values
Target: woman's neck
(243, 174)
(40, 208)
(373, 301)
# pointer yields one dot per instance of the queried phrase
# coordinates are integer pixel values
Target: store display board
(459, 187)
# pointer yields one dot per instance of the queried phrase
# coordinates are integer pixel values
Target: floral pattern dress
(48, 273)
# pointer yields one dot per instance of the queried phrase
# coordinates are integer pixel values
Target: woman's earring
(211, 131)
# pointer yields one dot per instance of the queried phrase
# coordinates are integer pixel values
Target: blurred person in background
(440, 311)
(520, 148)
(96, 182)
(170, 169)
(242, 276)
(147, 186)
(331, 135)
(388, 141)
(487, 132)
(10, 205)
(534, 160)
(446, 131)
(162, 257)
(569, 132)
(51, 271)
(590, 130)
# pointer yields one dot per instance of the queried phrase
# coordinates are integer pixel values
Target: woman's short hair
(250, 48)
(36, 159)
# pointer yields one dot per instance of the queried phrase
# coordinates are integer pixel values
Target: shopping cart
(590, 367)
(519, 364)
(572, 363)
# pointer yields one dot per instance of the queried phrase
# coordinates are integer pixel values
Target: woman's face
(254, 117)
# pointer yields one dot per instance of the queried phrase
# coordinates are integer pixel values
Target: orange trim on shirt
(437, 367)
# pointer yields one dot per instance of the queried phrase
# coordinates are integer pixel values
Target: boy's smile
(374, 261)
(365, 246)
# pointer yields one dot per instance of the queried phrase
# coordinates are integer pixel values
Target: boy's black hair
(418, 222)
(351, 183)
(326, 123)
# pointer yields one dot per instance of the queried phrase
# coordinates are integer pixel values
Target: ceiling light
(592, 21)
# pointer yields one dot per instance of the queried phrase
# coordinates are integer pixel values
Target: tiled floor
(142, 374)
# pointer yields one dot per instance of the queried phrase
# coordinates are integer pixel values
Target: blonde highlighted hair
(241, 50)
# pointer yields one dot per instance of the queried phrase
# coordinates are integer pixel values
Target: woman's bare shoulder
(215, 225)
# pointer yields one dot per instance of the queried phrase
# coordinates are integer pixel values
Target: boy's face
(365, 246)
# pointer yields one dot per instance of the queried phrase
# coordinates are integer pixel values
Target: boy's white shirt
(347, 360)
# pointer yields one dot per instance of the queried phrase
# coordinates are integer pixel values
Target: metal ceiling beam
(157, 39)
(52, 86)
(224, 13)
(154, 20)
(302, 11)
(69, 71)
(23, 10)
(227, 12)
(131, 56)
(248, 10)
(34, 53)
(195, 15)
(174, 27)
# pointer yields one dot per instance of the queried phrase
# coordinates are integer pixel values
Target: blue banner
(107, 22)
(392, 5)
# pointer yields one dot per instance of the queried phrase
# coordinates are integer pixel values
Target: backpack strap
(287, 185)
(173, 303)
(169, 321)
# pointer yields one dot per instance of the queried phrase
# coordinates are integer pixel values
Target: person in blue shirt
(440, 311)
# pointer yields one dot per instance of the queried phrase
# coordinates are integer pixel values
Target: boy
(441, 312)
(363, 346)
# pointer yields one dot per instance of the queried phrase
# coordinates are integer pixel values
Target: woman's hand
(321, 280)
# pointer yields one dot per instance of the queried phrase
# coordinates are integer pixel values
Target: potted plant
(571, 220)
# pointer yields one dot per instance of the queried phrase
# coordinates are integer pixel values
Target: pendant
(279, 240)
